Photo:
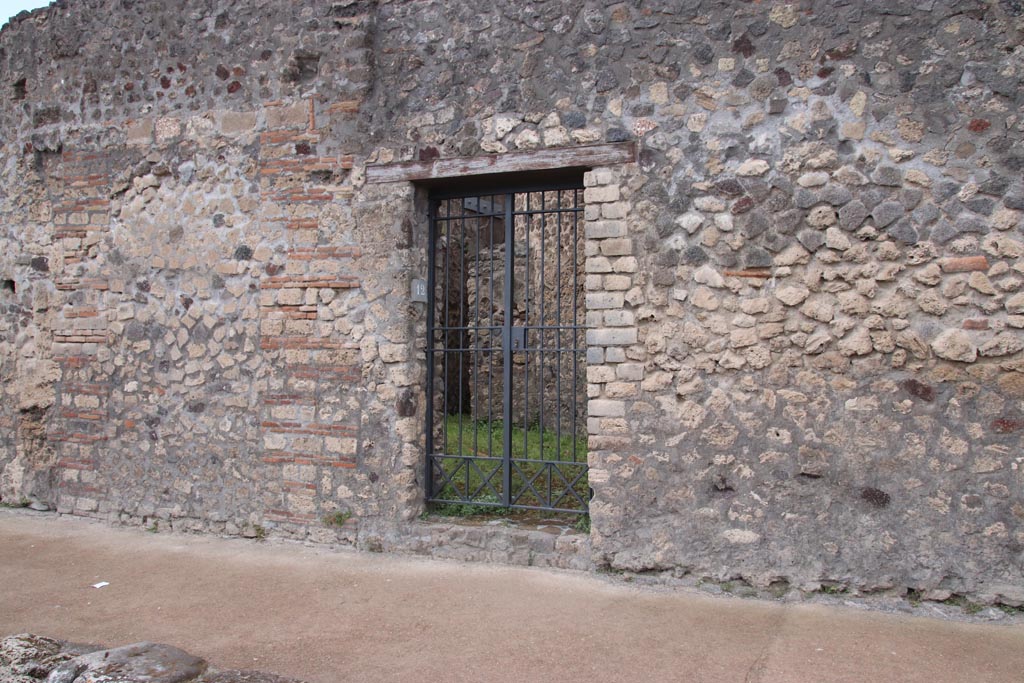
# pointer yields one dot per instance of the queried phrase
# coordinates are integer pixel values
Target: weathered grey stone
(694, 256)
(1015, 199)
(753, 224)
(1007, 594)
(903, 231)
(804, 198)
(874, 196)
(910, 197)
(944, 231)
(944, 190)
(852, 215)
(925, 214)
(836, 195)
(811, 239)
(995, 185)
(755, 257)
(785, 223)
(887, 212)
(971, 224)
(980, 205)
(887, 175)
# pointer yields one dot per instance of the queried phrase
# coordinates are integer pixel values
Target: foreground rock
(27, 658)
(139, 662)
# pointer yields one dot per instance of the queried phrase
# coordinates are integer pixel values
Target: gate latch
(517, 338)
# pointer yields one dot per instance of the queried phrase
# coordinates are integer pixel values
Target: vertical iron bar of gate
(428, 476)
(575, 320)
(446, 316)
(558, 330)
(526, 340)
(474, 343)
(490, 331)
(506, 351)
(543, 335)
(463, 325)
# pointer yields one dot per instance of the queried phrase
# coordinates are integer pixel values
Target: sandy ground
(326, 615)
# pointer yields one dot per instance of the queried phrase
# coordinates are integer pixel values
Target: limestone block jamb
(612, 379)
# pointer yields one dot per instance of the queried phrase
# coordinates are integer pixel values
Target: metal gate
(506, 365)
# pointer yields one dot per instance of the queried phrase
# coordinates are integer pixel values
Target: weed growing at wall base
(337, 518)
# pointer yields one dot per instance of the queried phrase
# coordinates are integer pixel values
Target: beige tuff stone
(822, 216)
(705, 298)
(785, 15)
(1006, 219)
(955, 345)
(1003, 344)
(813, 179)
(753, 167)
(932, 302)
(856, 343)
(706, 275)
(818, 309)
(980, 283)
(852, 130)
(792, 295)
(836, 238)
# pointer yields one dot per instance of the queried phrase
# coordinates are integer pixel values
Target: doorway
(506, 350)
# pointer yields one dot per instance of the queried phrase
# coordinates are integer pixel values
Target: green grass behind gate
(482, 439)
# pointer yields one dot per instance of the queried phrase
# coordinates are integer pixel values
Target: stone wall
(806, 357)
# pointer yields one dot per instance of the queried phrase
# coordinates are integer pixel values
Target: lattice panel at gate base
(506, 355)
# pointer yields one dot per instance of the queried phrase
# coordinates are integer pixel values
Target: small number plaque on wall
(419, 291)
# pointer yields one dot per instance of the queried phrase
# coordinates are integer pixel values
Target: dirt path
(335, 616)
